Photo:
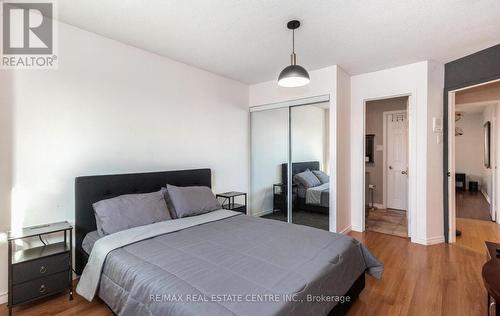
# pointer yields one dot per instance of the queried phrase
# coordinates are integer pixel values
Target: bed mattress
(241, 265)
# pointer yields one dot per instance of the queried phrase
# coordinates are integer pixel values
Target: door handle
(404, 172)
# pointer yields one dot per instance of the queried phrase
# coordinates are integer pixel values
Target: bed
(225, 263)
(321, 193)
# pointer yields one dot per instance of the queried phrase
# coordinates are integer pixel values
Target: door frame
(384, 155)
(450, 196)
(412, 185)
(480, 67)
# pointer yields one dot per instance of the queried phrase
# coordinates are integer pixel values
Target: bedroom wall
(424, 81)
(343, 151)
(112, 108)
(6, 149)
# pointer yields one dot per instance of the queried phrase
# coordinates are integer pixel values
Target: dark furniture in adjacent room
(460, 181)
(228, 201)
(37, 272)
(491, 277)
(473, 186)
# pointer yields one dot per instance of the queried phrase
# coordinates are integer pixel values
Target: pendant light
(293, 75)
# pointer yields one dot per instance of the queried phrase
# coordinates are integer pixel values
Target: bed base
(303, 206)
(341, 309)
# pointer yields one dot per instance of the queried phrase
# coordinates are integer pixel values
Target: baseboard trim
(262, 213)
(428, 241)
(356, 228)
(486, 196)
(379, 206)
(3, 298)
(346, 230)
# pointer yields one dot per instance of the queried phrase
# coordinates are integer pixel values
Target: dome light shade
(293, 75)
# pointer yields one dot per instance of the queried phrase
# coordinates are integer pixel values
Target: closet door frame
(290, 104)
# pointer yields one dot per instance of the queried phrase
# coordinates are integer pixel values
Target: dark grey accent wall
(477, 68)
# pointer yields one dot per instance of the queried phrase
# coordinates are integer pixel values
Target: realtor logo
(28, 35)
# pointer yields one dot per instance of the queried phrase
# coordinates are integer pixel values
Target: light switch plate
(437, 124)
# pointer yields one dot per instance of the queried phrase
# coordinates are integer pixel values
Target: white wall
(434, 159)
(423, 81)
(343, 151)
(6, 148)
(112, 108)
(469, 147)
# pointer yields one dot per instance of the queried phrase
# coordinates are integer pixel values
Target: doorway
(473, 114)
(386, 166)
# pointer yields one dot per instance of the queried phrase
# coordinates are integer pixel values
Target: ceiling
(248, 40)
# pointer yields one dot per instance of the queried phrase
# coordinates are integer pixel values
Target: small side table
(38, 272)
(228, 201)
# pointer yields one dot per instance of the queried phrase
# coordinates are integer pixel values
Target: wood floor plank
(418, 280)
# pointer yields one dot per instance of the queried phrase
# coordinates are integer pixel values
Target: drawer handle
(42, 288)
(43, 269)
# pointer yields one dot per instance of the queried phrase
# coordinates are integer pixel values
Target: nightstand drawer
(40, 287)
(30, 270)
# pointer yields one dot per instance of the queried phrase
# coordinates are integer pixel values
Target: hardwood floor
(472, 205)
(418, 280)
(443, 279)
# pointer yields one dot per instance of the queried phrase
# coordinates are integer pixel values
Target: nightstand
(280, 196)
(228, 201)
(41, 271)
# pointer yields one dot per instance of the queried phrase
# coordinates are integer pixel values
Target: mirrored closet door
(309, 135)
(300, 135)
(269, 148)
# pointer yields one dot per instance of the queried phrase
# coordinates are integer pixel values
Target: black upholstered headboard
(91, 189)
(298, 167)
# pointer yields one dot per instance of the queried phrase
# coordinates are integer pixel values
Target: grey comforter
(240, 265)
(319, 195)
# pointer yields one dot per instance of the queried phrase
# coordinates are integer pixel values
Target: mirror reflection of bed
(310, 202)
(299, 134)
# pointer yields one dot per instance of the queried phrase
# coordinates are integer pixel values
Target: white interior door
(397, 160)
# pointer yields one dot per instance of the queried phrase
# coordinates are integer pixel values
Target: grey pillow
(130, 210)
(190, 201)
(323, 177)
(307, 179)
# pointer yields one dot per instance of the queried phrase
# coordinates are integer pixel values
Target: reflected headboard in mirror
(298, 167)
